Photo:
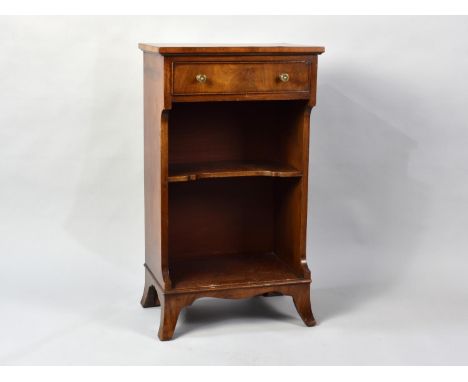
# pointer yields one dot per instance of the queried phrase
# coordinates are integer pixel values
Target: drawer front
(191, 78)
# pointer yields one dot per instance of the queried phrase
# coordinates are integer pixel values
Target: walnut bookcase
(226, 135)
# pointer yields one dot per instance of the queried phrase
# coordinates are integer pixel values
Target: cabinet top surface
(164, 49)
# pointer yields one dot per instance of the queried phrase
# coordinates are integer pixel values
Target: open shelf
(227, 169)
(235, 139)
(235, 174)
(233, 231)
(223, 270)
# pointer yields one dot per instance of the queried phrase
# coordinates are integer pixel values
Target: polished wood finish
(240, 77)
(229, 169)
(155, 169)
(237, 49)
(231, 270)
(213, 217)
(150, 296)
(226, 169)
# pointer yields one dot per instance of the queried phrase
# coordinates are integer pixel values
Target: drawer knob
(201, 78)
(284, 77)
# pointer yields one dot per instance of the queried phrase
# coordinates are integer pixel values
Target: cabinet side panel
(305, 189)
(291, 199)
(155, 163)
(291, 210)
(313, 80)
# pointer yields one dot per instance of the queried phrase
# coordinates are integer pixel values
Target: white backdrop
(388, 211)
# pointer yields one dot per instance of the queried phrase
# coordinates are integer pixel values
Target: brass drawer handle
(284, 77)
(201, 78)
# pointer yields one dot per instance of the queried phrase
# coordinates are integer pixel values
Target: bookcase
(226, 135)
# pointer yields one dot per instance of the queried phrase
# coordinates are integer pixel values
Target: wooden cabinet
(226, 162)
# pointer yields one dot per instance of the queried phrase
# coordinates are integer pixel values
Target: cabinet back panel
(222, 216)
(234, 131)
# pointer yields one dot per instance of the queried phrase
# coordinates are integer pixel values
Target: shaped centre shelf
(229, 169)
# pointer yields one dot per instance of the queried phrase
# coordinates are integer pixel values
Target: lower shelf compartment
(219, 270)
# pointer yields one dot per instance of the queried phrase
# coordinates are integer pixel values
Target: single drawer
(191, 78)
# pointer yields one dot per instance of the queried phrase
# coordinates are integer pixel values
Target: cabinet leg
(150, 296)
(301, 298)
(170, 309)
